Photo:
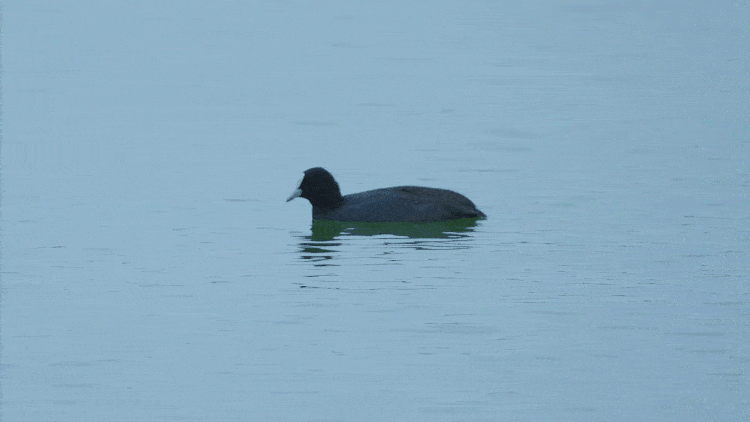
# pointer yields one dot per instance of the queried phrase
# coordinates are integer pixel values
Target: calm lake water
(151, 269)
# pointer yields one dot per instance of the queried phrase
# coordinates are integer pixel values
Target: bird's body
(396, 204)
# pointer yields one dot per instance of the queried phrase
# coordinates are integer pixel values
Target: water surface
(151, 269)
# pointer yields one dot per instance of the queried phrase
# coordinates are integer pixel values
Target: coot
(397, 204)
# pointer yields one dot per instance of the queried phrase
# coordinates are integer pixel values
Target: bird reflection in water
(326, 236)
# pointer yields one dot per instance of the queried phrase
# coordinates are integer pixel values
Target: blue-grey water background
(152, 271)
